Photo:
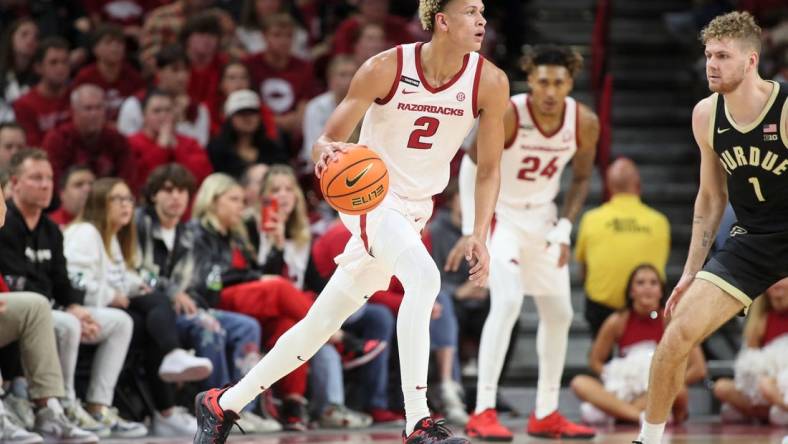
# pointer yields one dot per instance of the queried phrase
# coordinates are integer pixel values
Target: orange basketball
(357, 182)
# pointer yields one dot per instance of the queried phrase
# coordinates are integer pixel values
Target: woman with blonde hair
(759, 389)
(101, 249)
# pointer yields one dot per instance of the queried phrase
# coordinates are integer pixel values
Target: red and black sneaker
(428, 431)
(555, 426)
(213, 423)
(293, 414)
(357, 352)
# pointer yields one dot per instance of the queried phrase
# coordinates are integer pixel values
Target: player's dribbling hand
(328, 153)
(479, 259)
(677, 293)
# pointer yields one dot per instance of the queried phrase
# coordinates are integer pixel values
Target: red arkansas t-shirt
(38, 114)
(204, 82)
(281, 89)
(128, 82)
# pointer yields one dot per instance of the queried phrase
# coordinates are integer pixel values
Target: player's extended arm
(493, 99)
(709, 204)
(582, 164)
(372, 81)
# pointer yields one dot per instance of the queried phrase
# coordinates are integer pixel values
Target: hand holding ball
(355, 183)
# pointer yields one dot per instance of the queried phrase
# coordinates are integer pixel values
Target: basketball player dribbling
(418, 102)
(529, 248)
(742, 132)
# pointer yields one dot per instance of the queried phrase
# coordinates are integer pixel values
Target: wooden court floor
(694, 433)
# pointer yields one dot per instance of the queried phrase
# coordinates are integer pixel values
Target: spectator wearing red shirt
(172, 77)
(46, 104)
(110, 71)
(158, 142)
(284, 81)
(75, 185)
(371, 11)
(200, 39)
(88, 140)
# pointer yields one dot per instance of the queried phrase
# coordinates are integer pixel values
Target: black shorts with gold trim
(748, 264)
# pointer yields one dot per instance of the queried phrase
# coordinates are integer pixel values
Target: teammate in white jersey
(418, 102)
(545, 130)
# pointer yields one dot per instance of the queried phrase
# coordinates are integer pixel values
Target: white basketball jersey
(417, 129)
(532, 163)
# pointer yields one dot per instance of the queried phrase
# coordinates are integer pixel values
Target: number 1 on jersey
(757, 185)
(427, 127)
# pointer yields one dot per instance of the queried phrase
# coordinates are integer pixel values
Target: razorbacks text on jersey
(417, 129)
(755, 159)
(533, 161)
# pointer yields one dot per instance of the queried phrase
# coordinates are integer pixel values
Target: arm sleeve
(82, 248)
(467, 183)
(65, 293)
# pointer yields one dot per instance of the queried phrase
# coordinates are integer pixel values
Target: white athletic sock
(552, 336)
(421, 280)
(298, 344)
(651, 433)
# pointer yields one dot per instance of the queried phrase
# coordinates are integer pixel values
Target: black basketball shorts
(748, 264)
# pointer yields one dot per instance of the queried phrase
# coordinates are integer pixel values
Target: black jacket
(221, 150)
(212, 256)
(32, 260)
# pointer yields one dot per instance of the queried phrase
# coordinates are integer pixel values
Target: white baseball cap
(240, 100)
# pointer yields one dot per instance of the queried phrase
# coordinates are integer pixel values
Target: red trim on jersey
(476, 78)
(451, 82)
(577, 124)
(536, 122)
(508, 144)
(394, 85)
(363, 223)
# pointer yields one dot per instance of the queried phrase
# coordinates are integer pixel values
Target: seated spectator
(284, 81)
(17, 48)
(45, 105)
(192, 119)
(230, 340)
(618, 389)
(226, 276)
(26, 318)
(370, 40)
(250, 34)
(616, 237)
(74, 187)
(235, 77)
(33, 260)
(100, 249)
(158, 143)
(759, 387)
(243, 141)
(88, 139)
(12, 139)
(285, 249)
(200, 38)
(371, 11)
(339, 74)
(110, 71)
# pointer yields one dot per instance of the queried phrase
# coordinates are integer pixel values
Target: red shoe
(383, 416)
(555, 426)
(485, 426)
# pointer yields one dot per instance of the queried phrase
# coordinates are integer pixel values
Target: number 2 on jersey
(532, 164)
(426, 127)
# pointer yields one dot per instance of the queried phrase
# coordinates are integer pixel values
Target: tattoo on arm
(706, 239)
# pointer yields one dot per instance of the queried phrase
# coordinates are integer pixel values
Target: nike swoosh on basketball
(404, 91)
(350, 182)
(720, 130)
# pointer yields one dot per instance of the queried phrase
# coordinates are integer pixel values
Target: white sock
(651, 433)
(298, 344)
(552, 336)
(506, 301)
(421, 280)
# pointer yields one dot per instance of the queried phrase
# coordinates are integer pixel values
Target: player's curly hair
(427, 11)
(552, 55)
(735, 25)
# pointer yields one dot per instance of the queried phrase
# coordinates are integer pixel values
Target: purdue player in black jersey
(742, 132)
